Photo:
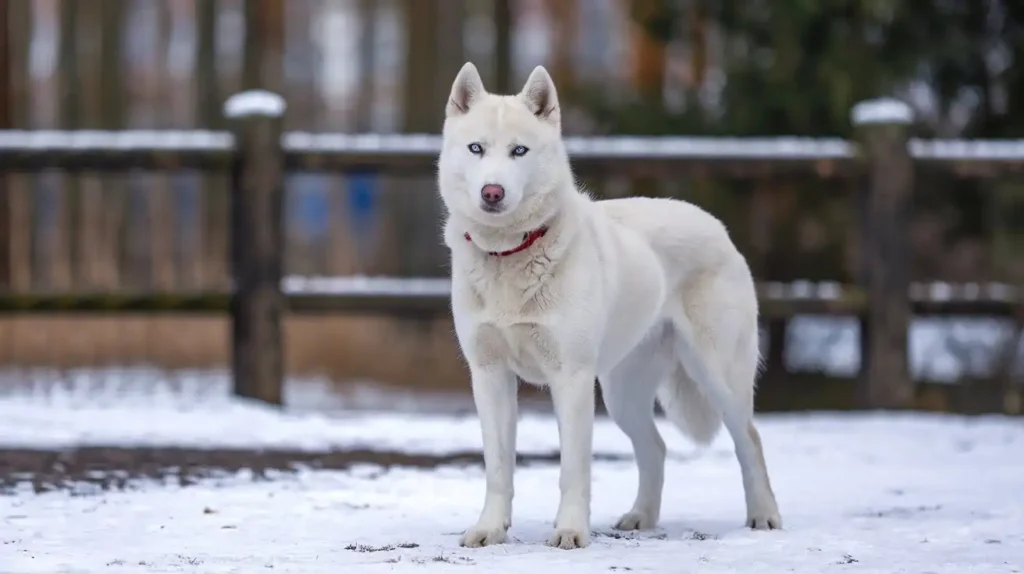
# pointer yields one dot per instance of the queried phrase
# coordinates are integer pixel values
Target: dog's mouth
(492, 208)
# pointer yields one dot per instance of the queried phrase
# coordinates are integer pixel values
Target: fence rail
(258, 155)
(97, 150)
(430, 297)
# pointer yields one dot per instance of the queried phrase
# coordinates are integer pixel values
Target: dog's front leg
(494, 392)
(573, 398)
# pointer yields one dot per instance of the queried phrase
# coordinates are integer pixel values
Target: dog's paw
(765, 521)
(479, 536)
(636, 520)
(569, 538)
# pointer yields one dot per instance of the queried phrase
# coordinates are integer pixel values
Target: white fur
(649, 296)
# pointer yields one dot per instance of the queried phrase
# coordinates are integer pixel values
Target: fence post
(882, 132)
(257, 201)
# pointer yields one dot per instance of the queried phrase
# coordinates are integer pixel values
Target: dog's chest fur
(507, 305)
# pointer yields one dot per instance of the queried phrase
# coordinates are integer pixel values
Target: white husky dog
(649, 296)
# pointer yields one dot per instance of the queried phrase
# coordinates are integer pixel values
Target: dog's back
(686, 238)
(706, 275)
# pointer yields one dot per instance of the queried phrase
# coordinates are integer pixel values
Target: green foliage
(796, 67)
(659, 19)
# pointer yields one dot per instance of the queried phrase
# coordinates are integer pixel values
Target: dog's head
(502, 156)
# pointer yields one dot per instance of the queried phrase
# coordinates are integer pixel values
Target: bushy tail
(688, 409)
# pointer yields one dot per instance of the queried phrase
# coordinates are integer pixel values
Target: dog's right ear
(467, 87)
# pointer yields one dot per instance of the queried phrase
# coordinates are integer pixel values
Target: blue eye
(519, 151)
(476, 149)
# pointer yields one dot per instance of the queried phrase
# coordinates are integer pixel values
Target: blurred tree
(503, 25)
(94, 97)
(207, 96)
(56, 243)
(367, 14)
(434, 54)
(649, 37)
(17, 200)
(161, 209)
(809, 62)
(412, 203)
(207, 109)
(6, 92)
(263, 65)
(797, 68)
(564, 18)
(113, 103)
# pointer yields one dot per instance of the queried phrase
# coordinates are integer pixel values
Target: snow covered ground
(858, 492)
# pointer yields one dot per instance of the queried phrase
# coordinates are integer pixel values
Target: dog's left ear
(540, 96)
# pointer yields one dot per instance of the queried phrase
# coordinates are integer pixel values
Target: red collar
(528, 239)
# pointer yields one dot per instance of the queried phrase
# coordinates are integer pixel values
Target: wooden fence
(258, 155)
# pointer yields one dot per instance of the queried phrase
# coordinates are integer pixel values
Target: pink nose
(492, 193)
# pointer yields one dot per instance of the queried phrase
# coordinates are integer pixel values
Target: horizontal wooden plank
(969, 158)
(591, 169)
(36, 150)
(431, 303)
(103, 303)
(592, 156)
(817, 392)
(116, 162)
(417, 153)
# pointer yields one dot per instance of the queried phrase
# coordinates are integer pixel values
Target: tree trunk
(263, 66)
(113, 103)
(212, 215)
(86, 246)
(18, 198)
(367, 58)
(415, 206)
(5, 123)
(160, 202)
(698, 45)
(57, 239)
(564, 15)
(648, 52)
(503, 27)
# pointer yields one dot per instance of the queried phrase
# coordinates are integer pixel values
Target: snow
(254, 103)
(666, 147)
(59, 420)
(267, 103)
(783, 147)
(30, 424)
(967, 150)
(859, 493)
(115, 141)
(86, 415)
(396, 144)
(361, 285)
(881, 111)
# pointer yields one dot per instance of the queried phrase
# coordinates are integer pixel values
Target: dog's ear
(540, 96)
(467, 87)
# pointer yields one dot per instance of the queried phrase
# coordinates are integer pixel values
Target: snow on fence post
(257, 204)
(882, 127)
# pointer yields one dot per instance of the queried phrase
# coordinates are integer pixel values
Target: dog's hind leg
(629, 391)
(718, 347)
